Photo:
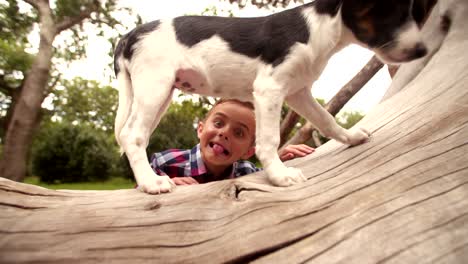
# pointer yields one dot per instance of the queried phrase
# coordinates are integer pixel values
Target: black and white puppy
(265, 60)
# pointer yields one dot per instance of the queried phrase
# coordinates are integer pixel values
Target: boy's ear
(199, 129)
(249, 153)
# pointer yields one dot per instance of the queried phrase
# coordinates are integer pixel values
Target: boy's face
(227, 135)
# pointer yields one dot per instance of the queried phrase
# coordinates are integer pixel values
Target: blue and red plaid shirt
(189, 163)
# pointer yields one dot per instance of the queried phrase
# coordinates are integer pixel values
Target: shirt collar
(197, 166)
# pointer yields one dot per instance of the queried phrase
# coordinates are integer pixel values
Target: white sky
(340, 69)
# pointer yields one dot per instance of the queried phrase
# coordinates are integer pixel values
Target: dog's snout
(419, 51)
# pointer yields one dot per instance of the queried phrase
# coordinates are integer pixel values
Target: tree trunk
(26, 113)
(287, 125)
(400, 198)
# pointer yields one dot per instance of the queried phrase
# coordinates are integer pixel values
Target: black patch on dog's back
(268, 38)
(125, 46)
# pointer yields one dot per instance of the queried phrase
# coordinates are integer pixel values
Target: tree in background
(25, 85)
(78, 128)
(25, 79)
(83, 101)
(75, 142)
(66, 152)
(14, 61)
(177, 128)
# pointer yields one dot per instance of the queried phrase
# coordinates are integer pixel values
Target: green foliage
(67, 8)
(14, 28)
(14, 23)
(177, 128)
(74, 46)
(346, 120)
(85, 102)
(72, 153)
(213, 11)
(115, 183)
(349, 119)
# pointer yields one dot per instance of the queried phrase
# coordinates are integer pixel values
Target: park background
(73, 145)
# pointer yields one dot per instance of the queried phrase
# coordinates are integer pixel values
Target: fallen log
(401, 198)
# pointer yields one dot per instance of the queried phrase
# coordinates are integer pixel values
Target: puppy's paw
(156, 185)
(357, 136)
(286, 176)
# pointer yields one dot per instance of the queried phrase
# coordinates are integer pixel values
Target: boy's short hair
(222, 101)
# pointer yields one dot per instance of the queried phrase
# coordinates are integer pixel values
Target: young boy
(227, 138)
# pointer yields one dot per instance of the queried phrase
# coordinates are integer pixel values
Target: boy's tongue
(218, 149)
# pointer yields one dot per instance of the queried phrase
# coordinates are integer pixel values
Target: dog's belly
(219, 82)
(191, 81)
(212, 69)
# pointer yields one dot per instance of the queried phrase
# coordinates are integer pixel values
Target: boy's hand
(184, 180)
(294, 151)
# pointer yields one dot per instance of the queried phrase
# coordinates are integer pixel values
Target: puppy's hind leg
(125, 103)
(268, 100)
(305, 104)
(152, 91)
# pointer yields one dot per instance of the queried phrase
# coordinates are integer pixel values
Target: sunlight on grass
(111, 184)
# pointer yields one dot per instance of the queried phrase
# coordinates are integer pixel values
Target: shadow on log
(401, 198)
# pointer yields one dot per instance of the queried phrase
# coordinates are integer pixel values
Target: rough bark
(400, 198)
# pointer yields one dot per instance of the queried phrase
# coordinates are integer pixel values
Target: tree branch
(34, 3)
(68, 22)
(287, 125)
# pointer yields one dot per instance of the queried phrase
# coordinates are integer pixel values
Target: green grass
(111, 184)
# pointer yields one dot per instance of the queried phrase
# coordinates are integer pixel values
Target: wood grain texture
(401, 198)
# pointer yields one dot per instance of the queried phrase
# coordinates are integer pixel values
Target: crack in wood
(31, 194)
(22, 206)
(152, 206)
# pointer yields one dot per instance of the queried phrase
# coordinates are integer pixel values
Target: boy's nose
(223, 135)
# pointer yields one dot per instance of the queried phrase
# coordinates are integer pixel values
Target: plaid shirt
(189, 163)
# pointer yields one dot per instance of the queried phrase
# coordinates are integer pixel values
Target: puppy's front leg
(268, 99)
(304, 104)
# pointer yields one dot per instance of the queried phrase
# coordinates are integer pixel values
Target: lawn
(111, 184)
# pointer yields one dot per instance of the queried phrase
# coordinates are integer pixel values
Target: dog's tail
(124, 86)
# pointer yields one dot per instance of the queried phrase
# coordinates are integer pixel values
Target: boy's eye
(238, 132)
(218, 123)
